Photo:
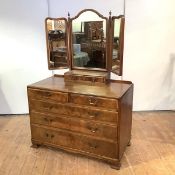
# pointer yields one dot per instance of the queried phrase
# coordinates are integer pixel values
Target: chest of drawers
(79, 118)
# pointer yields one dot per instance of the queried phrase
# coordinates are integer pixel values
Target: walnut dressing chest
(83, 111)
(80, 118)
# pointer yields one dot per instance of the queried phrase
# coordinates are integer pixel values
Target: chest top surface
(113, 89)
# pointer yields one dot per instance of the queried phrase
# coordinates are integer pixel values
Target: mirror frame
(70, 20)
(66, 43)
(110, 21)
(121, 42)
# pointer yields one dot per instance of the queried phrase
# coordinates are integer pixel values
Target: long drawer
(107, 103)
(75, 124)
(74, 141)
(74, 110)
(46, 94)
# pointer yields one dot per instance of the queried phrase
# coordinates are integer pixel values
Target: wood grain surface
(152, 151)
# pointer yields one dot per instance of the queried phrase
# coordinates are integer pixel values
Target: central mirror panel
(89, 33)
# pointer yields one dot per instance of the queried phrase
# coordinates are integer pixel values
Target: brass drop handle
(92, 101)
(52, 136)
(48, 94)
(49, 108)
(49, 136)
(94, 130)
(93, 115)
(92, 145)
(46, 119)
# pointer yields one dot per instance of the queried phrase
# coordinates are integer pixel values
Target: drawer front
(75, 124)
(95, 114)
(85, 78)
(94, 101)
(50, 136)
(75, 111)
(95, 146)
(74, 141)
(43, 106)
(44, 94)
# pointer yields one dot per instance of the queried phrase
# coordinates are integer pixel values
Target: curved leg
(129, 143)
(35, 145)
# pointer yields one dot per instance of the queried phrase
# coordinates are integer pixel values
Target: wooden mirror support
(83, 111)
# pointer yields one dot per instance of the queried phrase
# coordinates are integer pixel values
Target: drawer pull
(52, 136)
(49, 136)
(92, 101)
(48, 94)
(94, 130)
(49, 108)
(92, 115)
(46, 119)
(92, 145)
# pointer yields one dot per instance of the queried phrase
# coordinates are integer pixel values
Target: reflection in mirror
(56, 43)
(89, 41)
(115, 52)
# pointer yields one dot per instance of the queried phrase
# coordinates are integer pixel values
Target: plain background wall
(73, 7)
(22, 51)
(149, 56)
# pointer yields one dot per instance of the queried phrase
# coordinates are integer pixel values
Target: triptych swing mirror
(88, 41)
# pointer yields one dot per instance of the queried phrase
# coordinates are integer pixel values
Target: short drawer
(74, 141)
(75, 124)
(107, 103)
(45, 94)
(44, 106)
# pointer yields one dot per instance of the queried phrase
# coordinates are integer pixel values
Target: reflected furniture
(83, 111)
(81, 59)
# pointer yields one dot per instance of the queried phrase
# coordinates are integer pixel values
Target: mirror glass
(116, 48)
(89, 41)
(56, 43)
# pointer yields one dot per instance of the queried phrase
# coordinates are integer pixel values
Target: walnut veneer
(87, 119)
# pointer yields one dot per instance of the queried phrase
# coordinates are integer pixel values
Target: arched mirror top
(88, 10)
(88, 40)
